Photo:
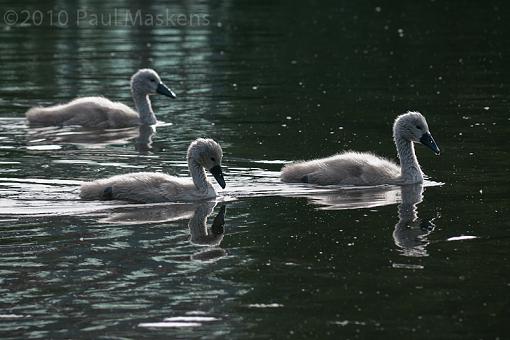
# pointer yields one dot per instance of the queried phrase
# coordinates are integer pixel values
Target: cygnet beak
(218, 175)
(429, 142)
(165, 91)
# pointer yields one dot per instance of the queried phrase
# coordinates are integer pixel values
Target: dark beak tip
(429, 142)
(165, 91)
(218, 175)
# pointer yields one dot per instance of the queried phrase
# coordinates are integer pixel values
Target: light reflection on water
(100, 260)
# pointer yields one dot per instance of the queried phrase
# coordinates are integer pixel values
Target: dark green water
(272, 82)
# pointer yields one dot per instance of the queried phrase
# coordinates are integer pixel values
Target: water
(272, 82)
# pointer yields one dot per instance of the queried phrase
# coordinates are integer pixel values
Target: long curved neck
(144, 108)
(410, 169)
(198, 175)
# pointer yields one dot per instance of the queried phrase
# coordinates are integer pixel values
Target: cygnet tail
(295, 173)
(96, 191)
(46, 116)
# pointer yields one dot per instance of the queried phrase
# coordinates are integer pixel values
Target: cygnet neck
(143, 107)
(198, 175)
(410, 169)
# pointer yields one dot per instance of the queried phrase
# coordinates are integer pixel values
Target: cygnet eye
(418, 127)
(213, 159)
(152, 80)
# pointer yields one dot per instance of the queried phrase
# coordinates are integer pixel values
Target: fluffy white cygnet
(361, 168)
(102, 113)
(150, 187)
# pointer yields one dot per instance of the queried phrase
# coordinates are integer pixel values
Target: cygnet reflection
(91, 138)
(356, 197)
(197, 213)
(411, 232)
(143, 142)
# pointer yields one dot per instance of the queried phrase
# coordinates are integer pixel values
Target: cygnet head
(207, 153)
(412, 126)
(146, 82)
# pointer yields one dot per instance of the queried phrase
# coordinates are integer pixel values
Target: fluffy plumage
(149, 187)
(102, 113)
(356, 168)
(347, 168)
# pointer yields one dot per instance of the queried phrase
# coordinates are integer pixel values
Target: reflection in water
(143, 143)
(44, 137)
(340, 198)
(200, 234)
(356, 197)
(410, 233)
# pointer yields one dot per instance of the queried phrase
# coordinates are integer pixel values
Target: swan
(357, 168)
(151, 187)
(99, 112)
